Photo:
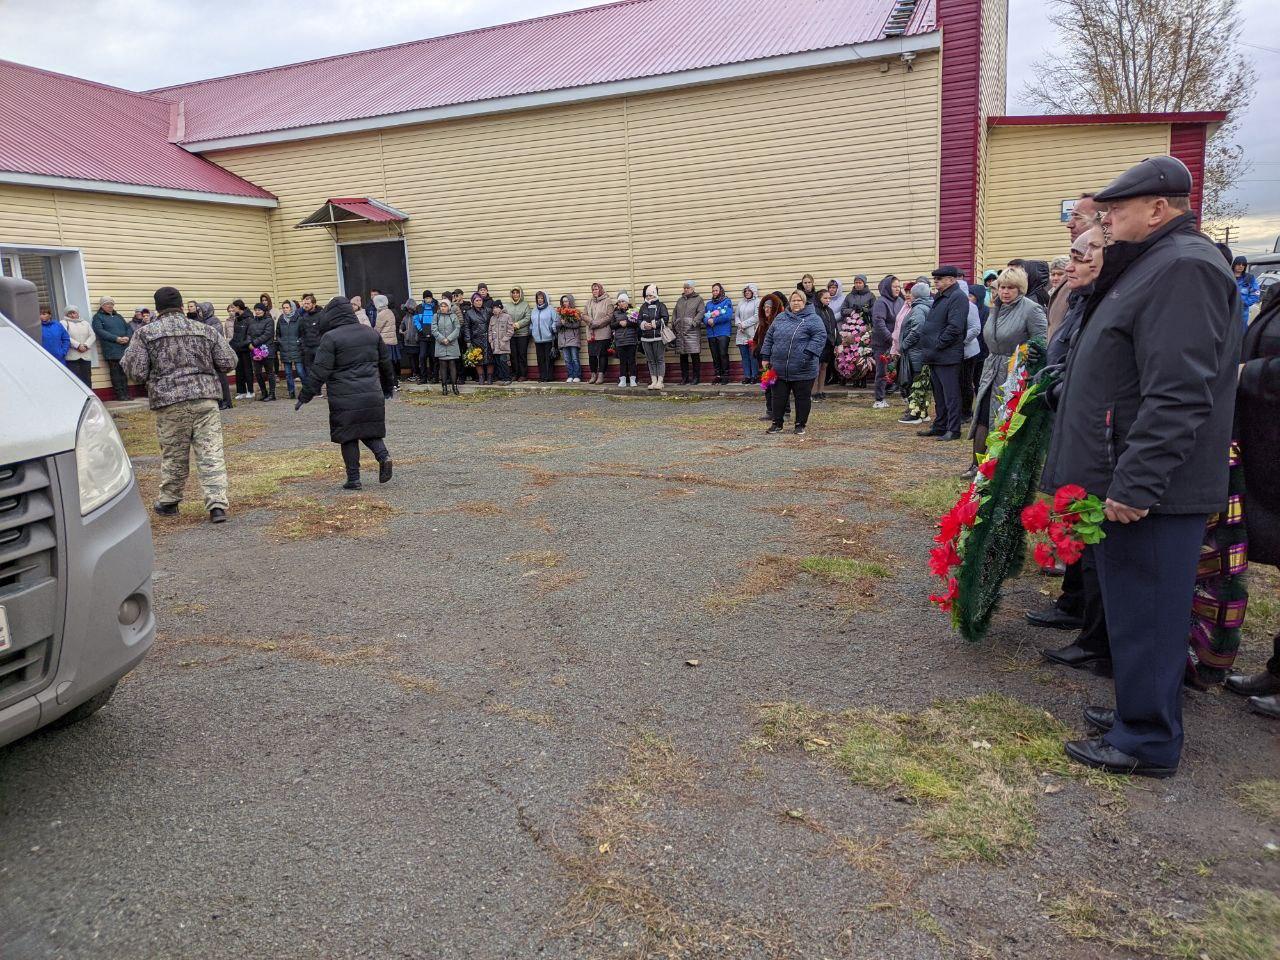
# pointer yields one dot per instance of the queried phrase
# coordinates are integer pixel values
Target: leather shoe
(947, 436)
(1055, 619)
(1267, 706)
(384, 470)
(166, 509)
(1262, 684)
(1075, 656)
(1100, 755)
(1100, 717)
(217, 515)
(930, 433)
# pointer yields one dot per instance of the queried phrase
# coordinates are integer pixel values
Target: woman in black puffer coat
(352, 360)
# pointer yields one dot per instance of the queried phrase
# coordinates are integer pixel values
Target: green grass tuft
(843, 569)
(932, 498)
(1261, 797)
(1242, 926)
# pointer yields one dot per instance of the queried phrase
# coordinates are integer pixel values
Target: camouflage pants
(180, 427)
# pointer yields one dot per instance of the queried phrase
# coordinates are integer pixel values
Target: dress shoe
(1262, 684)
(948, 436)
(384, 470)
(1101, 717)
(1267, 706)
(1057, 570)
(166, 509)
(353, 485)
(1075, 656)
(217, 515)
(1055, 619)
(929, 433)
(1100, 755)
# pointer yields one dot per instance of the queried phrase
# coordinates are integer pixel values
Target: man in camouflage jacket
(179, 360)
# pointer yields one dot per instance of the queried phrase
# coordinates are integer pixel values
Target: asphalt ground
(511, 707)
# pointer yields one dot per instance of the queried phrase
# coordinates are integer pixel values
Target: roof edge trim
(786, 63)
(131, 189)
(1080, 119)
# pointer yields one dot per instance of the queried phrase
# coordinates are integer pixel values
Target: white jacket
(82, 335)
(746, 315)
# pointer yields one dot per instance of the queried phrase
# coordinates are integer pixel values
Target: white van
(75, 541)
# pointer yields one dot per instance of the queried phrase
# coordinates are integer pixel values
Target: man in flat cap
(942, 342)
(179, 360)
(1144, 423)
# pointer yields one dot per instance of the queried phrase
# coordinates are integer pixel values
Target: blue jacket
(1247, 284)
(55, 339)
(794, 344)
(424, 318)
(542, 322)
(719, 317)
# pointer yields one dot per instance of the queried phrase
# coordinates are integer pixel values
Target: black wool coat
(1258, 430)
(1149, 389)
(353, 361)
(942, 331)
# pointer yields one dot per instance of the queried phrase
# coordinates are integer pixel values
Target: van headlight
(102, 464)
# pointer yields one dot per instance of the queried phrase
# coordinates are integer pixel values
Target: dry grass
(333, 651)
(542, 525)
(138, 431)
(310, 519)
(536, 558)
(763, 574)
(726, 425)
(677, 478)
(519, 713)
(1261, 797)
(476, 508)
(538, 476)
(413, 683)
(545, 585)
(972, 765)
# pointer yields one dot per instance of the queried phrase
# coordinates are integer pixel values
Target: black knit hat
(168, 298)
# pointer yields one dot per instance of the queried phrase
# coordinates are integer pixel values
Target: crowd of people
(1167, 405)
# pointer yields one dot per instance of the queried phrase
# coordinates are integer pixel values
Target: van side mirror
(20, 303)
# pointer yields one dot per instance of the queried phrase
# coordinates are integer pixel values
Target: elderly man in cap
(179, 359)
(1144, 423)
(942, 342)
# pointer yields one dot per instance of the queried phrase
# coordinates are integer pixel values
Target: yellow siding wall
(132, 245)
(1031, 170)
(733, 182)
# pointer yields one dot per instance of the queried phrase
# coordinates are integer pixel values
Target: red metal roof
(619, 41)
(1077, 119)
(369, 209)
(60, 126)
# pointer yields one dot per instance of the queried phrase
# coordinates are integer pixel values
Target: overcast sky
(140, 44)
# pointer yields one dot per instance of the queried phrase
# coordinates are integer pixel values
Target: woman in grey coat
(687, 321)
(447, 330)
(1013, 321)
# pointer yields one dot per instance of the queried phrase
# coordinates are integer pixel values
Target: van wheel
(84, 710)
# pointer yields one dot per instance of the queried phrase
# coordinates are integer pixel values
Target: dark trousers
(1071, 600)
(225, 384)
(598, 356)
(545, 365)
(82, 369)
(503, 360)
(691, 367)
(264, 371)
(119, 381)
(945, 378)
(1147, 571)
(294, 371)
(351, 454)
(882, 375)
(784, 390)
(520, 358)
(627, 360)
(777, 404)
(970, 372)
(411, 351)
(448, 371)
(426, 358)
(720, 355)
(308, 358)
(244, 371)
(1082, 597)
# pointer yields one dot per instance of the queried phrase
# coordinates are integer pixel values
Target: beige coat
(598, 313)
(385, 324)
(81, 334)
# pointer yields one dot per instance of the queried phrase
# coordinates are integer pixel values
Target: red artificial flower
(1043, 554)
(1012, 405)
(944, 600)
(1059, 532)
(967, 512)
(1035, 518)
(943, 558)
(1069, 551)
(1067, 495)
(988, 467)
(949, 527)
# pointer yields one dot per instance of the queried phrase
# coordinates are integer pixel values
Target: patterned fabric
(178, 359)
(1221, 597)
(181, 428)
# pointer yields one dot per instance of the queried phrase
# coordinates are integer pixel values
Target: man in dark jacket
(113, 332)
(942, 341)
(310, 329)
(1145, 423)
(353, 360)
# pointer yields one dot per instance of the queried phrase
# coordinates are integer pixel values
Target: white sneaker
(633, 381)
(622, 381)
(660, 382)
(880, 405)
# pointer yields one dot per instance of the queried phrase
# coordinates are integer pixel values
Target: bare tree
(1138, 56)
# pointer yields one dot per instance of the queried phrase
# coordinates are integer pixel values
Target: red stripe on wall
(1187, 142)
(961, 22)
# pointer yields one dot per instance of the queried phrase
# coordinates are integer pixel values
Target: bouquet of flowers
(768, 378)
(633, 315)
(711, 316)
(1075, 520)
(853, 353)
(569, 317)
(261, 353)
(918, 398)
(472, 357)
(891, 368)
